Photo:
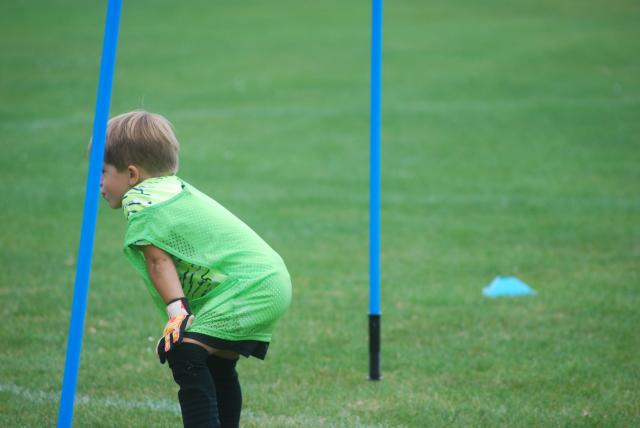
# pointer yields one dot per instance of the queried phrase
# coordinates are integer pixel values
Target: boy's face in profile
(114, 184)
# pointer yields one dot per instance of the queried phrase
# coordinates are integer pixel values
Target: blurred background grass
(510, 146)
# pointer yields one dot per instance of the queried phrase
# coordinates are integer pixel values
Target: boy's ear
(134, 175)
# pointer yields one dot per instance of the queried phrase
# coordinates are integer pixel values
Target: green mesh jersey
(196, 280)
(249, 287)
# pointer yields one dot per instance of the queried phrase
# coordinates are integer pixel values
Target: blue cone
(503, 286)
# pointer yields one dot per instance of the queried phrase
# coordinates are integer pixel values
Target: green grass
(511, 146)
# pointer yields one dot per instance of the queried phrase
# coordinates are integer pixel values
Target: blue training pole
(85, 251)
(374, 191)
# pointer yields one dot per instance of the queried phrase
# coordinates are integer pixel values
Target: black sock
(228, 392)
(197, 393)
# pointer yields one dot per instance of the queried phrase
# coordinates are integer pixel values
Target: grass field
(511, 146)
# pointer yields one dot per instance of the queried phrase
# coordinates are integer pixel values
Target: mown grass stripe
(160, 405)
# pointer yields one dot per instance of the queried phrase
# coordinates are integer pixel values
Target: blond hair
(143, 139)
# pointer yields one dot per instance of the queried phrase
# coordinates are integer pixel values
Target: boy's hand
(179, 320)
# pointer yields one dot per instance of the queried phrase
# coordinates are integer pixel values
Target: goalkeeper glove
(180, 319)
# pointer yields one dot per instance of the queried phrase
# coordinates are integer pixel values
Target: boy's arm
(163, 274)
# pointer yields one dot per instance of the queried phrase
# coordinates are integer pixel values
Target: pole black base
(374, 347)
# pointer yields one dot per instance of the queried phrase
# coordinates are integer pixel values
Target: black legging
(210, 394)
(228, 392)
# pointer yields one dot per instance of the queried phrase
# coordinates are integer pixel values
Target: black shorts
(246, 348)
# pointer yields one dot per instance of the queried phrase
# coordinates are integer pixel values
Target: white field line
(473, 105)
(515, 104)
(160, 405)
(47, 397)
(394, 199)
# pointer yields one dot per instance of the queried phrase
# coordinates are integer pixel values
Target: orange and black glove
(180, 318)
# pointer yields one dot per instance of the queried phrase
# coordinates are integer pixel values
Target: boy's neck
(138, 174)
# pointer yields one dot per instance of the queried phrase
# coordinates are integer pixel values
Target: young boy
(221, 286)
